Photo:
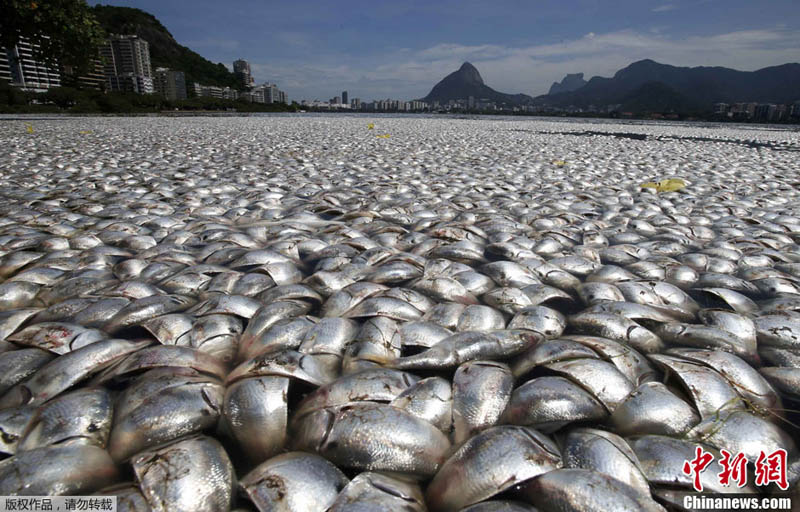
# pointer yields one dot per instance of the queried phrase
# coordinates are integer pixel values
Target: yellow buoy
(29, 128)
(370, 126)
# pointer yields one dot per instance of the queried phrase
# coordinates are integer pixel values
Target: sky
(375, 50)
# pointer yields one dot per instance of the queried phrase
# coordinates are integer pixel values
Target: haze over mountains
(568, 84)
(699, 86)
(645, 85)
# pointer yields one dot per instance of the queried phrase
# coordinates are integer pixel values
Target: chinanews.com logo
(770, 468)
(720, 502)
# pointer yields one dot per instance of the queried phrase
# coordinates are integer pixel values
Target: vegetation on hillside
(64, 31)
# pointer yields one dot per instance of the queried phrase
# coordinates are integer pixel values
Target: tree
(63, 97)
(61, 31)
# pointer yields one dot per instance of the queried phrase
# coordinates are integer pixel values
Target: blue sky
(316, 49)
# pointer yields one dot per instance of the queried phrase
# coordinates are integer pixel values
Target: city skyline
(383, 50)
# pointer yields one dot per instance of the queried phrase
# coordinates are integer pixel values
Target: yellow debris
(370, 126)
(384, 136)
(85, 132)
(560, 163)
(29, 128)
(670, 185)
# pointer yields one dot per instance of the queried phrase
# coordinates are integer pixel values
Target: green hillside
(164, 50)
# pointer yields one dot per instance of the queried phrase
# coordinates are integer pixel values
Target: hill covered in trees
(165, 51)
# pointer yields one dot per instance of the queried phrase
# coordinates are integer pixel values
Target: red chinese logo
(769, 468)
(735, 468)
(772, 468)
(697, 465)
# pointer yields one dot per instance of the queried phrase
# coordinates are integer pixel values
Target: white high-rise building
(241, 68)
(20, 69)
(170, 83)
(126, 60)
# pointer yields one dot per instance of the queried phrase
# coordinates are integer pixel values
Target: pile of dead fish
(288, 314)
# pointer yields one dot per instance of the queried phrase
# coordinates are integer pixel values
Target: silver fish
(142, 422)
(605, 453)
(294, 481)
(379, 491)
(193, 474)
(481, 391)
(653, 409)
(256, 411)
(585, 490)
(429, 399)
(468, 346)
(489, 463)
(548, 403)
(58, 420)
(71, 467)
(373, 437)
(62, 372)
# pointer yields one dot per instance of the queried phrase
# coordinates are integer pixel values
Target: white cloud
(529, 69)
(665, 8)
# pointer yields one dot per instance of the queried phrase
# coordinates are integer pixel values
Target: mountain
(658, 97)
(568, 84)
(164, 50)
(699, 87)
(466, 82)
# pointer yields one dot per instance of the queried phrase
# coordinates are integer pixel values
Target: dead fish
(429, 399)
(13, 421)
(489, 463)
(256, 410)
(264, 318)
(709, 390)
(468, 346)
(62, 372)
(662, 459)
(59, 338)
(374, 437)
(295, 480)
(619, 328)
(606, 453)
(745, 379)
(163, 416)
(284, 363)
(653, 409)
(17, 365)
(375, 385)
(161, 356)
(379, 491)
(11, 321)
(192, 474)
(58, 420)
(144, 309)
(70, 467)
(481, 391)
(548, 403)
(584, 490)
(600, 378)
